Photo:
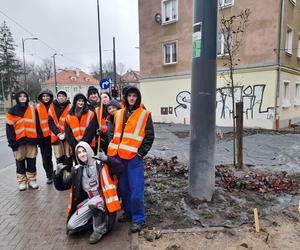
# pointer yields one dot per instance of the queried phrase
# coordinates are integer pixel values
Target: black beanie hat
(62, 92)
(92, 90)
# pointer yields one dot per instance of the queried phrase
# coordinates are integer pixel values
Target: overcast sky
(70, 27)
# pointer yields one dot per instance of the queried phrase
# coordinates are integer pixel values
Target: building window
(289, 41)
(225, 3)
(286, 95)
(222, 49)
(73, 78)
(297, 94)
(170, 53)
(75, 89)
(67, 89)
(170, 11)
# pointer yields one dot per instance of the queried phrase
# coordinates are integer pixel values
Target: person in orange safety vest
(45, 99)
(23, 133)
(93, 192)
(81, 124)
(58, 112)
(133, 138)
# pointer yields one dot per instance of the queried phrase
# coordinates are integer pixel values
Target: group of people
(99, 145)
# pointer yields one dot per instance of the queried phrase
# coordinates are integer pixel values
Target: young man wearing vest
(93, 98)
(81, 124)
(133, 138)
(58, 112)
(23, 133)
(45, 98)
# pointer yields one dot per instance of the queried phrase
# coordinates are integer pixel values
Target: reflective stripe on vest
(109, 188)
(70, 202)
(43, 116)
(78, 127)
(60, 123)
(24, 126)
(133, 134)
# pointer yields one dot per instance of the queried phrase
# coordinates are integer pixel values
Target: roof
(131, 76)
(72, 77)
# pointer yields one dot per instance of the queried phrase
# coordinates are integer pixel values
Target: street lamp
(23, 45)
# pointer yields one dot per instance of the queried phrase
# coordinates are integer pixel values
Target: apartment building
(73, 81)
(267, 76)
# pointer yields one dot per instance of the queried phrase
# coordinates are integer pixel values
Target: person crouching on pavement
(45, 98)
(58, 112)
(81, 124)
(133, 138)
(93, 193)
(23, 133)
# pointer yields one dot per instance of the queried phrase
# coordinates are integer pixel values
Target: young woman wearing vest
(133, 138)
(58, 112)
(45, 98)
(81, 124)
(93, 192)
(93, 98)
(23, 131)
(101, 125)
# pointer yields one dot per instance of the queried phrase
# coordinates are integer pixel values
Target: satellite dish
(157, 18)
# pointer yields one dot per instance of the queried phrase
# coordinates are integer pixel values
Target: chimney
(77, 72)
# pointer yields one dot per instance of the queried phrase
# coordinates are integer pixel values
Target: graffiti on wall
(252, 96)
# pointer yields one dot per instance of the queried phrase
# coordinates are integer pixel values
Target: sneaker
(136, 227)
(95, 237)
(49, 180)
(125, 217)
(33, 185)
(22, 186)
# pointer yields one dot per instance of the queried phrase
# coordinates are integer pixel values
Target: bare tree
(108, 70)
(232, 29)
(45, 70)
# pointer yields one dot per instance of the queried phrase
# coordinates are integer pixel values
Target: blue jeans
(132, 188)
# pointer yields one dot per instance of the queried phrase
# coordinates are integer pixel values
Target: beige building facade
(267, 77)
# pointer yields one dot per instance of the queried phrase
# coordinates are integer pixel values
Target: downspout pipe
(279, 49)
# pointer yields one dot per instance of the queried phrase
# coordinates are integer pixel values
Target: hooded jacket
(42, 109)
(59, 108)
(19, 110)
(74, 182)
(149, 129)
(90, 131)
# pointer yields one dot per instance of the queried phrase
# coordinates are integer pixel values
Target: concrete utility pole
(203, 102)
(114, 60)
(99, 38)
(54, 66)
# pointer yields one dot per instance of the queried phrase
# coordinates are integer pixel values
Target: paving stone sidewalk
(35, 219)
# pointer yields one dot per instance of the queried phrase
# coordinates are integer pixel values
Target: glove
(59, 168)
(100, 133)
(61, 136)
(101, 156)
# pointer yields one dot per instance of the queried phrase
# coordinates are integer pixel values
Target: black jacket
(19, 110)
(75, 181)
(59, 109)
(90, 131)
(149, 129)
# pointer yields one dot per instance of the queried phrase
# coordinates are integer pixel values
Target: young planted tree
(232, 29)
(10, 66)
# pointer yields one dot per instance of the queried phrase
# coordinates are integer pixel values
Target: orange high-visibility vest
(103, 120)
(43, 116)
(24, 126)
(109, 188)
(78, 127)
(126, 143)
(60, 123)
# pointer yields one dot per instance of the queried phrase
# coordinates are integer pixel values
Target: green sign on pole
(197, 40)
